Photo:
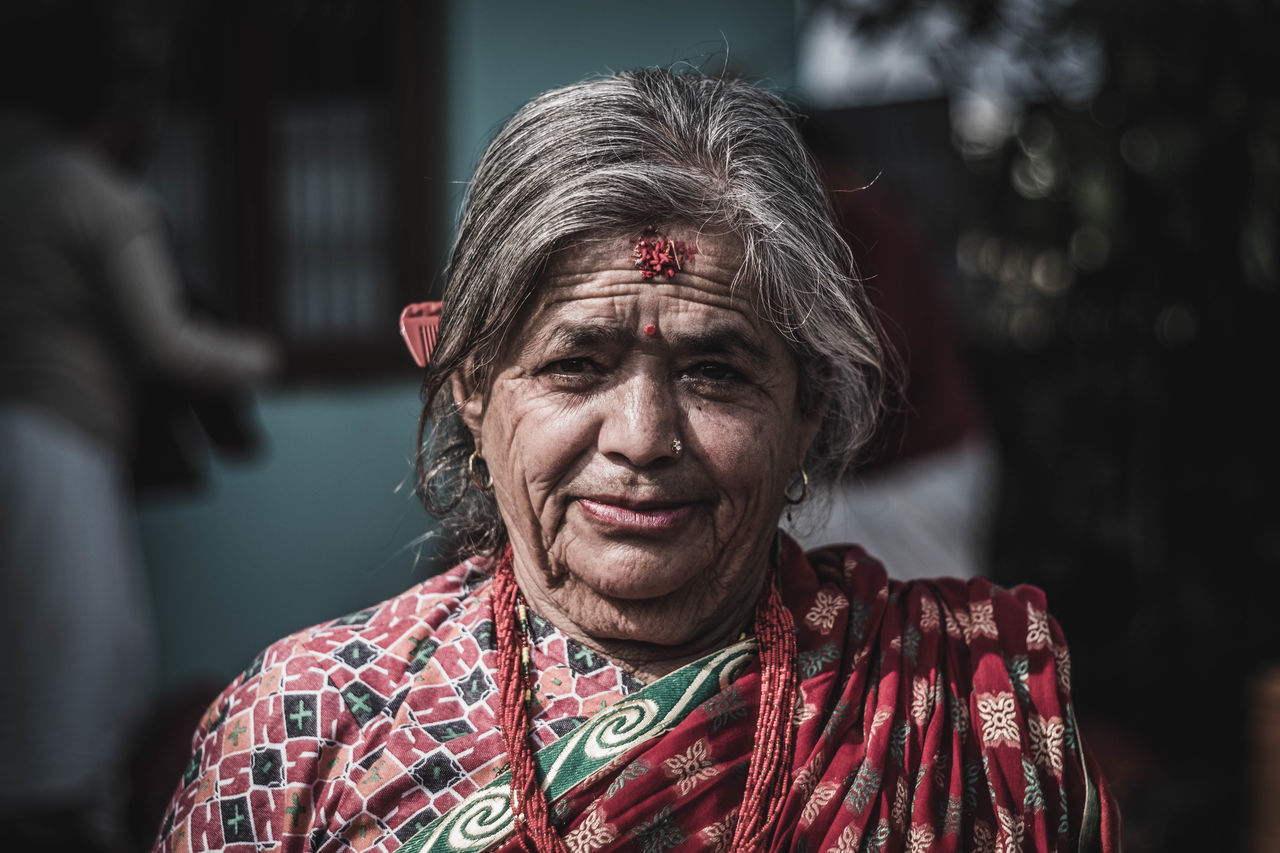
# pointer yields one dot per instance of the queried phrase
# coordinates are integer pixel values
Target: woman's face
(617, 538)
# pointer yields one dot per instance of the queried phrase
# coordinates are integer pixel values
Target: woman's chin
(641, 570)
(667, 605)
(642, 582)
(659, 590)
(644, 621)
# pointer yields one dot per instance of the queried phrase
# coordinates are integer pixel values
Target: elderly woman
(650, 340)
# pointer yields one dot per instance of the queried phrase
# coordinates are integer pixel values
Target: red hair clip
(419, 325)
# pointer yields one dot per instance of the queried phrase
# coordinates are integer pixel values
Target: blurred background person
(91, 308)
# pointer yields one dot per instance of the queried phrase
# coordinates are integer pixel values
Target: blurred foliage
(1121, 300)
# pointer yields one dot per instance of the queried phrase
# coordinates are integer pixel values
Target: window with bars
(295, 172)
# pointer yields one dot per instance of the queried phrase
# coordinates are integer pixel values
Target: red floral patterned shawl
(932, 716)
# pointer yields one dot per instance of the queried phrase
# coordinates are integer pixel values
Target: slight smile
(623, 515)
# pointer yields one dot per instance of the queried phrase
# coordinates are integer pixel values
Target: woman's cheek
(745, 451)
(549, 442)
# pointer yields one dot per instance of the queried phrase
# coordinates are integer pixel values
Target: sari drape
(930, 716)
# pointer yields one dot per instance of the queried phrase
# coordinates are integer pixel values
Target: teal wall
(504, 52)
(325, 522)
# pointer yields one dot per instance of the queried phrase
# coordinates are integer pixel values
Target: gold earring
(471, 469)
(804, 490)
(804, 493)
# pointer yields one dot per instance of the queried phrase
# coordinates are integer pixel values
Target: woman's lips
(615, 513)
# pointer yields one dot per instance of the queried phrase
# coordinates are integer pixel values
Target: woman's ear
(470, 403)
(813, 410)
(810, 425)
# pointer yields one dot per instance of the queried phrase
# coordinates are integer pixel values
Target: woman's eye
(571, 366)
(712, 372)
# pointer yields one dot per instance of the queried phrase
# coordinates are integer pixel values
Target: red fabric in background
(939, 407)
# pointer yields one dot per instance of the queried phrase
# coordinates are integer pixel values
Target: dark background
(1117, 282)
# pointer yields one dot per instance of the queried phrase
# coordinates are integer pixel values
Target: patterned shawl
(931, 716)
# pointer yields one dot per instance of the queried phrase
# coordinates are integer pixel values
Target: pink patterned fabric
(354, 733)
(932, 716)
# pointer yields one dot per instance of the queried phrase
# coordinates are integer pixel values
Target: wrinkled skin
(650, 556)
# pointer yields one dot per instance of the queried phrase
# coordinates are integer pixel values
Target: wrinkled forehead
(599, 291)
(672, 258)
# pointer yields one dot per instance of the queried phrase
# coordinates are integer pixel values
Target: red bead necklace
(768, 776)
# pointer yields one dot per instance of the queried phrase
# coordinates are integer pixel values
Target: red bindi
(651, 330)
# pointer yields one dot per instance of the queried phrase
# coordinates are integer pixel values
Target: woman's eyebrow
(586, 336)
(727, 341)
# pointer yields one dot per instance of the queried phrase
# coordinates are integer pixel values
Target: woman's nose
(640, 423)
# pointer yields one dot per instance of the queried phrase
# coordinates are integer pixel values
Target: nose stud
(676, 447)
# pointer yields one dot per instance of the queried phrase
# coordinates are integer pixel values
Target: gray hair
(614, 156)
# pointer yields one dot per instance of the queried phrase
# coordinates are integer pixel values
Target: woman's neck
(645, 660)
